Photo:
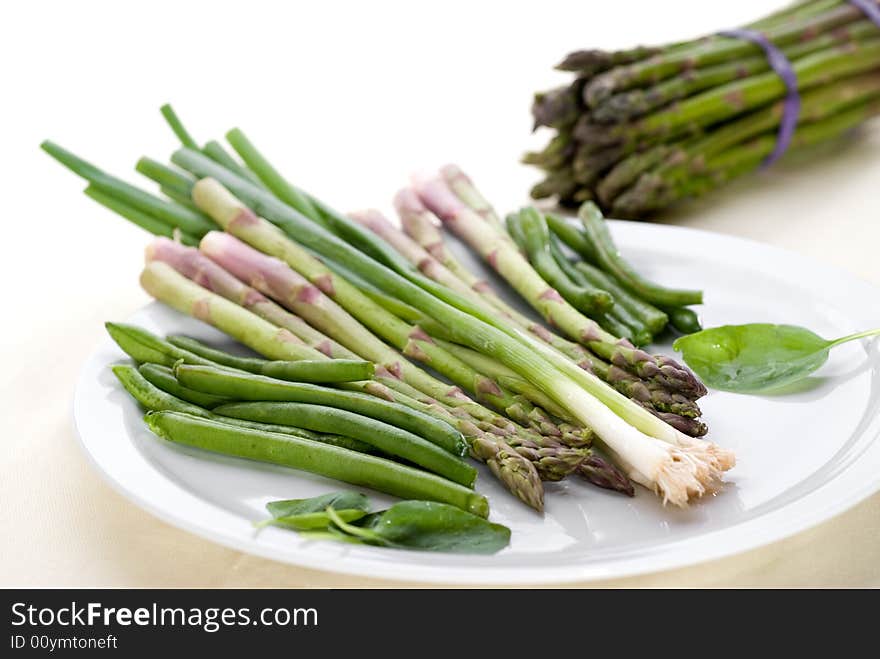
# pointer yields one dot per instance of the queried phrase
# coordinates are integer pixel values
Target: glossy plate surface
(803, 456)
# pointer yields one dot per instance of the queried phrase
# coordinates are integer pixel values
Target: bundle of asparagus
(288, 276)
(640, 129)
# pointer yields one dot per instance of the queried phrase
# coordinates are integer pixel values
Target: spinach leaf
(756, 357)
(429, 526)
(310, 514)
(339, 500)
(421, 525)
(311, 521)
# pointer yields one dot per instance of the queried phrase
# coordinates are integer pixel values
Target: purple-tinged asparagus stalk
(164, 283)
(194, 265)
(505, 259)
(414, 253)
(463, 188)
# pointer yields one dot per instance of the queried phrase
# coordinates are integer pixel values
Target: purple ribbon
(870, 7)
(792, 106)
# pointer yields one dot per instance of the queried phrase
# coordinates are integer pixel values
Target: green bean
(164, 378)
(145, 347)
(612, 323)
(684, 320)
(638, 331)
(653, 318)
(609, 260)
(156, 400)
(247, 386)
(385, 437)
(530, 232)
(572, 236)
(333, 462)
(648, 315)
(325, 370)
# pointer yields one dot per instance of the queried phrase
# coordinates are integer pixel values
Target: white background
(347, 98)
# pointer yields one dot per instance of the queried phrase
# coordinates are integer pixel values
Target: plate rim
(702, 548)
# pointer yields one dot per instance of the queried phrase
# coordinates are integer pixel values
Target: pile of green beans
(331, 461)
(385, 437)
(156, 399)
(204, 397)
(231, 385)
(599, 282)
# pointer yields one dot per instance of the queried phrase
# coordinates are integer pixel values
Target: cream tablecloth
(63, 526)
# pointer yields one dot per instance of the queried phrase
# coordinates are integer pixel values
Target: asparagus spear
(463, 188)
(555, 154)
(558, 107)
(414, 253)
(205, 272)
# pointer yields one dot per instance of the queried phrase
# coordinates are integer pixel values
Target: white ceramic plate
(803, 457)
